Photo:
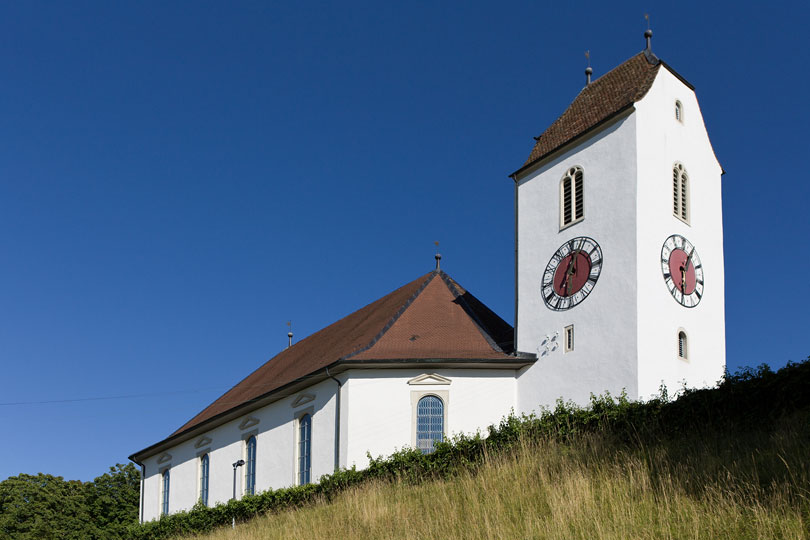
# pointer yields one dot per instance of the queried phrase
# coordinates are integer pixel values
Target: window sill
(569, 225)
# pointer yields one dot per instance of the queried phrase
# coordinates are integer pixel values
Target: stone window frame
(296, 440)
(683, 345)
(681, 192)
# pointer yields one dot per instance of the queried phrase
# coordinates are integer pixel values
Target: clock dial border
(551, 298)
(678, 242)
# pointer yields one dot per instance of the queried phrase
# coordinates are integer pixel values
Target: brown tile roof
(602, 99)
(431, 317)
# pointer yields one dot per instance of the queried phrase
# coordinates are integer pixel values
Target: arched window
(304, 449)
(682, 346)
(204, 466)
(680, 192)
(429, 423)
(250, 466)
(678, 111)
(165, 495)
(572, 201)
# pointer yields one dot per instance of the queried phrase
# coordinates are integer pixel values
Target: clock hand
(572, 267)
(685, 269)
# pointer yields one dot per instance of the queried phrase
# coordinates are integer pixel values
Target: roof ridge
(449, 282)
(393, 319)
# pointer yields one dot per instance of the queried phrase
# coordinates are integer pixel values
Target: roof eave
(335, 368)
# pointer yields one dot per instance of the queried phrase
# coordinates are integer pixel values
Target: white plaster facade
(376, 417)
(626, 330)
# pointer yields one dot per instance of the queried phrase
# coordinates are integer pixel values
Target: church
(619, 287)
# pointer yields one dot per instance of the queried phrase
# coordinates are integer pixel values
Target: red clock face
(571, 274)
(683, 271)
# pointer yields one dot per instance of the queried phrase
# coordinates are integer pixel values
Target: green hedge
(749, 399)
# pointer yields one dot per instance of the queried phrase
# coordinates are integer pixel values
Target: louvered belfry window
(682, 345)
(680, 192)
(572, 200)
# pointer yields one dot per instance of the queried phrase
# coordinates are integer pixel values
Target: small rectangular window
(569, 338)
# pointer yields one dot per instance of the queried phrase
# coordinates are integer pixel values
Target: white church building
(619, 287)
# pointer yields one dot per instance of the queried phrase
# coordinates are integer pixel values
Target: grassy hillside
(731, 462)
(551, 490)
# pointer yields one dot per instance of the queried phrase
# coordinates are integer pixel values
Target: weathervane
(588, 70)
(648, 33)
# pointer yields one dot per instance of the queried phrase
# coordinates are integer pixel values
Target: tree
(112, 500)
(45, 507)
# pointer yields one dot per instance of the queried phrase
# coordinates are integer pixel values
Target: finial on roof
(289, 334)
(438, 256)
(588, 70)
(648, 33)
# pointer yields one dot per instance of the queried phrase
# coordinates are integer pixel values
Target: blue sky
(178, 181)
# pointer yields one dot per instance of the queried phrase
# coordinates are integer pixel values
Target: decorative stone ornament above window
(248, 422)
(302, 399)
(164, 458)
(202, 442)
(429, 379)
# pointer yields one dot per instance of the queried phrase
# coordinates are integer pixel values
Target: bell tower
(619, 243)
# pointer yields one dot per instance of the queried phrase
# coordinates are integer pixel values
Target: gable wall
(380, 412)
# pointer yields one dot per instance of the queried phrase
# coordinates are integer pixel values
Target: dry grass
(549, 490)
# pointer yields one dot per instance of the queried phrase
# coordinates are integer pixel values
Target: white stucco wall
(603, 358)
(662, 141)
(380, 414)
(376, 416)
(276, 453)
